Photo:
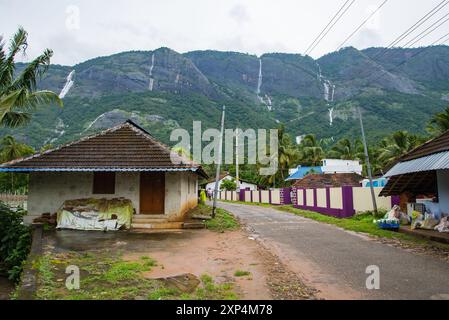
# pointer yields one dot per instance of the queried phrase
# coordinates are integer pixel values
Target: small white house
(122, 162)
(243, 184)
(341, 166)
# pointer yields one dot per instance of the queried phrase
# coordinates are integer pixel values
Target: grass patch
(104, 275)
(241, 273)
(268, 205)
(201, 210)
(164, 293)
(223, 221)
(358, 223)
(209, 290)
(148, 262)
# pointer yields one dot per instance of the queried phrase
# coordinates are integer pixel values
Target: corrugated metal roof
(437, 161)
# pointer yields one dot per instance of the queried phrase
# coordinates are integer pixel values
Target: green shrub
(242, 273)
(15, 241)
(228, 185)
(223, 221)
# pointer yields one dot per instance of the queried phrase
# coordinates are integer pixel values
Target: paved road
(334, 261)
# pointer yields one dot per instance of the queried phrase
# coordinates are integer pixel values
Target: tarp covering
(95, 214)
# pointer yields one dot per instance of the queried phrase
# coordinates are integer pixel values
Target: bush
(15, 241)
(223, 221)
(228, 185)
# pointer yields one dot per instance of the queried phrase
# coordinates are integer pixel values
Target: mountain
(162, 90)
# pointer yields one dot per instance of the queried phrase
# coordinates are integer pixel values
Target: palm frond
(15, 119)
(18, 43)
(43, 97)
(34, 70)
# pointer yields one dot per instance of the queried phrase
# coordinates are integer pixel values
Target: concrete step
(149, 216)
(157, 225)
(150, 221)
(193, 225)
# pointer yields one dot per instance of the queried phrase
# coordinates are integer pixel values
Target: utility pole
(368, 165)
(217, 175)
(237, 159)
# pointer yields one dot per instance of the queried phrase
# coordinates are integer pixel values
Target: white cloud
(240, 14)
(253, 26)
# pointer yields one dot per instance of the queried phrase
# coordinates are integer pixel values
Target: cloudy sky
(81, 29)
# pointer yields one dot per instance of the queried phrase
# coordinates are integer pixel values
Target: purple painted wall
(348, 204)
(395, 201)
(242, 195)
(286, 196)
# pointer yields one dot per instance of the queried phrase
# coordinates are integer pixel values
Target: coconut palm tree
(311, 151)
(287, 153)
(18, 94)
(287, 156)
(346, 150)
(397, 145)
(439, 123)
(11, 150)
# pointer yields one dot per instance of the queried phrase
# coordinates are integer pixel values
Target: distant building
(377, 183)
(334, 180)
(226, 176)
(341, 166)
(300, 172)
(328, 166)
(121, 162)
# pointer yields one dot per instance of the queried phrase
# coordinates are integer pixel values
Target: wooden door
(152, 192)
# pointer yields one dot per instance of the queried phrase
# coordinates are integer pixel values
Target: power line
(426, 17)
(361, 25)
(329, 26)
(338, 19)
(322, 31)
(424, 34)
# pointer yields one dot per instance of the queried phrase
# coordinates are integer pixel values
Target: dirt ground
(198, 252)
(6, 287)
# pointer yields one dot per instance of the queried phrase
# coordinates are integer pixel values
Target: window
(104, 183)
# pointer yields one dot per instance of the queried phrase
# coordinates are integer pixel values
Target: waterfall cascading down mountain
(260, 79)
(329, 93)
(265, 100)
(151, 73)
(95, 120)
(68, 85)
(59, 131)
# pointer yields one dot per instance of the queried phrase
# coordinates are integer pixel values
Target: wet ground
(6, 288)
(195, 252)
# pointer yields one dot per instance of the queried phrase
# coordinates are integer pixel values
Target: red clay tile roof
(329, 180)
(126, 147)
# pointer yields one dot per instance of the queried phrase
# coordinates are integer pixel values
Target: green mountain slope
(163, 90)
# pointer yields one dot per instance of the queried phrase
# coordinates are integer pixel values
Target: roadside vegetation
(105, 275)
(362, 222)
(223, 221)
(359, 223)
(313, 149)
(15, 242)
(241, 273)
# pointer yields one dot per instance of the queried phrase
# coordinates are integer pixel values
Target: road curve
(335, 261)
